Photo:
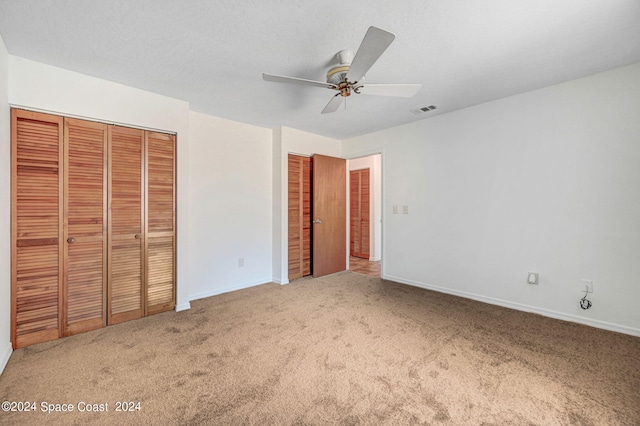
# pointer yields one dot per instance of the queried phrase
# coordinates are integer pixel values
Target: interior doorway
(365, 215)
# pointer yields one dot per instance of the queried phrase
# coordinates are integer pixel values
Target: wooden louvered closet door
(93, 225)
(36, 227)
(126, 224)
(299, 211)
(85, 231)
(160, 237)
(359, 195)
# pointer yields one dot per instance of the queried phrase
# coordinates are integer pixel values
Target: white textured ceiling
(212, 53)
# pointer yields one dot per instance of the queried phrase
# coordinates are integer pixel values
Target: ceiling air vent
(424, 109)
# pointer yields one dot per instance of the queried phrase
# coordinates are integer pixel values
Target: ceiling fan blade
(373, 45)
(333, 104)
(294, 80)
(400, 90)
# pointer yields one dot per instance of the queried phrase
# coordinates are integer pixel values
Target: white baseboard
(183, 307)
(5, 354)
(521, 307)
(229, 289)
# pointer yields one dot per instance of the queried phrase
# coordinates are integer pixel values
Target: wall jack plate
(532, 278)
(587, 284)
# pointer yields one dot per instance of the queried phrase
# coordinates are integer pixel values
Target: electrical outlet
(395, 209)
(532, 278)
(405, 209)
(587, 284)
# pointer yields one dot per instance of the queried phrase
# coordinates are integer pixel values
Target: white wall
(231, 191)
(42, 87)
(5, 210)
(373, 163)
(292, 141)
(276, 205)
(545, 181)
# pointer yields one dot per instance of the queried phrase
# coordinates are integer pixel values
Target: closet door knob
(317, 221)
(71, 240)
(138, 236)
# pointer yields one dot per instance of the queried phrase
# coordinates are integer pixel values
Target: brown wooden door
(126, 231)
(359, 196)
(36, 227)
(329, 215)
(299, 222)
(160, 237)
(85, 226)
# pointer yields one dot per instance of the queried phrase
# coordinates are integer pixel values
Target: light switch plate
(533, 278)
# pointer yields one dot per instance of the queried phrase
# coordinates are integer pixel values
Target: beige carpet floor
(343, 349)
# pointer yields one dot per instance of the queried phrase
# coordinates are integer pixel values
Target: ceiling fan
(348, 76)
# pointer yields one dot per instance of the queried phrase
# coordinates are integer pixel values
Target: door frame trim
(369, 153)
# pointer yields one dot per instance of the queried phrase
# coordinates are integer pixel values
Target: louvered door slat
(86, 225)
(160, 222)
(36, 218)
(126, 233)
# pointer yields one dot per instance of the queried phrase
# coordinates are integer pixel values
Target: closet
(317, 235)
(93, 225)
(359, 222)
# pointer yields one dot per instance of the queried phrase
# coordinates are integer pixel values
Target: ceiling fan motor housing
(338, 73)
